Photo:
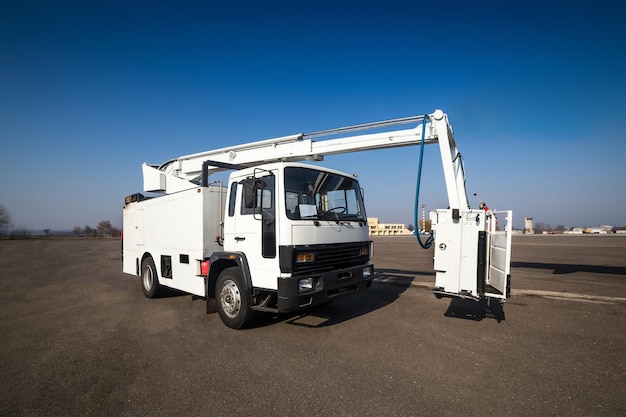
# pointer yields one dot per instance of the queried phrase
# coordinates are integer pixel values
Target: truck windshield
(319, 195)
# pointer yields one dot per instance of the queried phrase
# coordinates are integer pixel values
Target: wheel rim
(148, 279)
(230, 299)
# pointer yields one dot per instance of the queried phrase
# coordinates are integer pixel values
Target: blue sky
(534, 91)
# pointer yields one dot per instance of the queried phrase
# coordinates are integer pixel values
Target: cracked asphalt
(78, 338)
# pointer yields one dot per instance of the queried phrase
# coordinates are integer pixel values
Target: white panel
(456, 251)
(328, 232)
(183, 223)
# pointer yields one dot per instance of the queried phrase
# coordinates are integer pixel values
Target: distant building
(597, 230)
(386, 229)
(604, 229)
(528, 226)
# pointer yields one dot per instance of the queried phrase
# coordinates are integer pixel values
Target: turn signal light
(305, 258)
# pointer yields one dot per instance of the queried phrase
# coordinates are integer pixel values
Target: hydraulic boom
(186, 171)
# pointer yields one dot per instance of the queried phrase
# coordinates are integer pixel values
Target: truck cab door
(251, 226)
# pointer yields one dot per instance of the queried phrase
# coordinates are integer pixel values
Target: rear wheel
(149, 279)
(233, 299)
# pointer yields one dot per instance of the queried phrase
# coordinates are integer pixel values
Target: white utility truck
(283, 235)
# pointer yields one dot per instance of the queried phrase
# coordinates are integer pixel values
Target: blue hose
(431, 239)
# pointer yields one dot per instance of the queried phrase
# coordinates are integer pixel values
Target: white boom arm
(183, 172)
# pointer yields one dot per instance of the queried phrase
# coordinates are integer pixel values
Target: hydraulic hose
(431, 239)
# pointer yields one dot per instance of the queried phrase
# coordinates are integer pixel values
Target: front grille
(327, 257)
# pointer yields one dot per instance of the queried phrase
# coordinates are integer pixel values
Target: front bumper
(328, 286)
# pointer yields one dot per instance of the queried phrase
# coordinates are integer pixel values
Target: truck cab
(303, 231)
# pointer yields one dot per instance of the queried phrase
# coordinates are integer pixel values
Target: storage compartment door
(499, 271)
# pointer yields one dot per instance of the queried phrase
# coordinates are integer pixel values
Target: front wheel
(233, 300)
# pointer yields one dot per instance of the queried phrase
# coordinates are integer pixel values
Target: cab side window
(231, 199)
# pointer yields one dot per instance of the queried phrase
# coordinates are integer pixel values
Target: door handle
(239, 238)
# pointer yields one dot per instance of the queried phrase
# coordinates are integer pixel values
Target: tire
(150, 279)
(233, 299)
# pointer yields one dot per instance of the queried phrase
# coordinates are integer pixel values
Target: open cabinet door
(498, 282)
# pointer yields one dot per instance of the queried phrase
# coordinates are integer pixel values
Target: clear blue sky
(535, 93)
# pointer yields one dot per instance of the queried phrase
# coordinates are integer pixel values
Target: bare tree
(20, 233)
(76, 231)
(5, 219)
(105, 229)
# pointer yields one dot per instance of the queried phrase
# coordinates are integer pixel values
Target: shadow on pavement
(571, 268)
(475, 310)
(379, 295)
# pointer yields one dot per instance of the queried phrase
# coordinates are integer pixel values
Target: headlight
(367, 272)
(306, 284)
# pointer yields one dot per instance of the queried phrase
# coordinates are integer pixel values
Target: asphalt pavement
(78, 338)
